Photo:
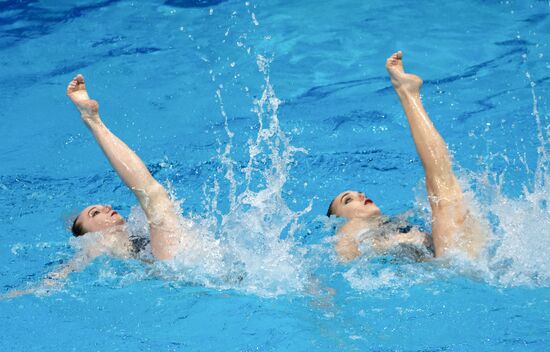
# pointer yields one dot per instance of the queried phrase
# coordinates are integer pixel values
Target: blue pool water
(292, 98)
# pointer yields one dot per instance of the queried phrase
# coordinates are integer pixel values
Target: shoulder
(347, 243)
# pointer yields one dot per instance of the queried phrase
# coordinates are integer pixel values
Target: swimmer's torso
(382, 236)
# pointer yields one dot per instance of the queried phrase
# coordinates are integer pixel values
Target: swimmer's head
(96, 218)
(352, 204)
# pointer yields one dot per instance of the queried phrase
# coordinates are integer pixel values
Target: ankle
(407, 93)
(90, 118)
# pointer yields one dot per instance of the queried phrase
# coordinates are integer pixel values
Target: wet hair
(330, 210)
(77, 229)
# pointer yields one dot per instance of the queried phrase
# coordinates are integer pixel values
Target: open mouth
(368, 201)
(114, 213)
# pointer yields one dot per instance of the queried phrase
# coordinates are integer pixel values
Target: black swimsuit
(394, 225)
(139, 244)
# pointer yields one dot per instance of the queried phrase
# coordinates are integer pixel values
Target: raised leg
(154, 199)
(453, 227)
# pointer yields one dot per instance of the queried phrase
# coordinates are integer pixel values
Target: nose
(108, 207)
(361, 196)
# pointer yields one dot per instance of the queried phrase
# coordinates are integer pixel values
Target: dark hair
(329, 210)
(77, 229)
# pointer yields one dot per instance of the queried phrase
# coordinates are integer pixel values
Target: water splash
(369, 275)
(258, 228)
(523, 224)
(251, 246)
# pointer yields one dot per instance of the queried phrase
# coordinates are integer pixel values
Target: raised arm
(153, 198)
(451, 227)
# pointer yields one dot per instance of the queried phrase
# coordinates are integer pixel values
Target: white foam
(250, 247)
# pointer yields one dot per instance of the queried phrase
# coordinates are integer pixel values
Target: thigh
(455, 226)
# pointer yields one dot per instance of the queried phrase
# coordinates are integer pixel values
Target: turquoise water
(198, 87)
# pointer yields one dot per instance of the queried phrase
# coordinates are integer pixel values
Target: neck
(117, 241)
(366, 221)
(353, 225)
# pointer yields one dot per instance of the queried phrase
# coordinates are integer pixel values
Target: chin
(372, 214)
(365, 215)
(114, 226)
(119, 220)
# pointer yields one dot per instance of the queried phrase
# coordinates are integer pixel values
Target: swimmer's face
(98, 217)
(352, 204)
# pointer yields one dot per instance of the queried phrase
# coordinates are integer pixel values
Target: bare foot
(77, 92)
(402, 82)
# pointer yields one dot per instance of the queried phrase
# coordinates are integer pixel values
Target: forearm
(124, 161)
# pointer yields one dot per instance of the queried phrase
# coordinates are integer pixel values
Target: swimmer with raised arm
(153, 198)
(114, 239)
(453, 226)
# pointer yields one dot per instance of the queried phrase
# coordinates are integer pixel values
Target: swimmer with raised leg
(114, 239)
(453, 226)
(153, 198)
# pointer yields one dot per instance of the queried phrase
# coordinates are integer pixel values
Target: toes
(76, 83)
(73, 81)
(72, 86)
(394, 58)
